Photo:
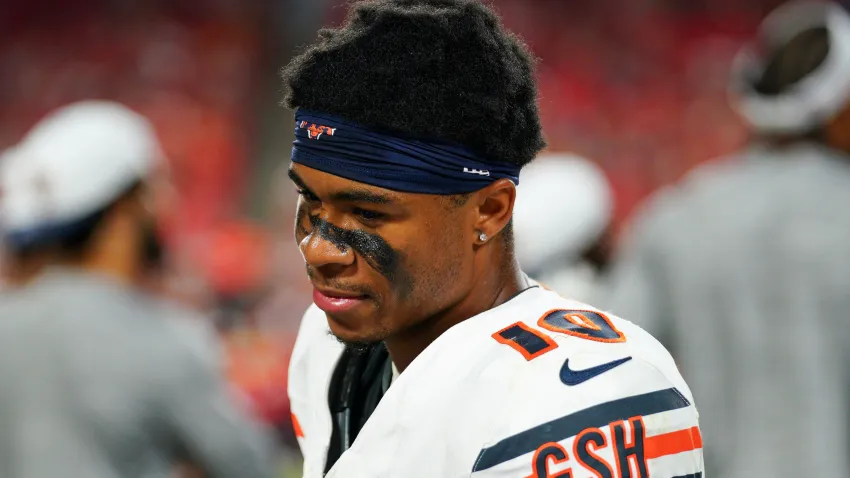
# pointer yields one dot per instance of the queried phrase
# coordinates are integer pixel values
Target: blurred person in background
(428, 352)
(562, 224)
(742, 269)
(99, 378)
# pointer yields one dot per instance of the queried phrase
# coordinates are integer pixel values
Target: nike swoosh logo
(574, 377)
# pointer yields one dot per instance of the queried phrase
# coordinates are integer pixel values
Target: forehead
(325, 184)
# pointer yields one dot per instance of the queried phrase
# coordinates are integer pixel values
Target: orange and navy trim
(548, 453)
(594, 417)
(630, 447)
(673, 443)
(585, 446)
(525, 340)
(586, 324)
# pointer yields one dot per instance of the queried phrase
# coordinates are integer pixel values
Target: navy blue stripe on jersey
(694, 475)
(530, 343)
(571, 425)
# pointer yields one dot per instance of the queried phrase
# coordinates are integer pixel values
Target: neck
(493, 286)
(112, 256)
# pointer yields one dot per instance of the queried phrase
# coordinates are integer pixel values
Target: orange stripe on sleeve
(297, 427)
(673, 442)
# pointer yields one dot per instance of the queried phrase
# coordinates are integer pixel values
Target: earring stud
(482, 237)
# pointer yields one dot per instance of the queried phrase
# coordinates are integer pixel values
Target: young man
(742, 268)
(100, 379)
(428, 352)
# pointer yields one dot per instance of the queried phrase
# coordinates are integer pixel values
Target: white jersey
(538, 387)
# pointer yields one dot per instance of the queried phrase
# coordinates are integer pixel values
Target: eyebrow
(346, 195)
(361, 195)
(295, 178)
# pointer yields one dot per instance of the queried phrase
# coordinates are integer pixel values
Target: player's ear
(495, 205)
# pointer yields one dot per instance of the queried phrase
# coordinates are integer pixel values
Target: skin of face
(403, 258)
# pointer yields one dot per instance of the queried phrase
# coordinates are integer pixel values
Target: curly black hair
(431, 69)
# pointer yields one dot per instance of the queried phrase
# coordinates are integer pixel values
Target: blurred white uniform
(534, 387)
(563, 206)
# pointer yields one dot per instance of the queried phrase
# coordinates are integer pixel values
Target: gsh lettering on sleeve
(626, 454)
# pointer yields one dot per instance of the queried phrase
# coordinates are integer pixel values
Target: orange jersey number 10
(585, 324)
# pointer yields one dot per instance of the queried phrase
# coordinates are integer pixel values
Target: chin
(355, 334)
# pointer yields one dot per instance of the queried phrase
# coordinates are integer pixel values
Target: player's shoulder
(566, 374)
(540, 324)
(540, 344)
(574, 356)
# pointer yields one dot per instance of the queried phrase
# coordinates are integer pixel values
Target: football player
(428, 353)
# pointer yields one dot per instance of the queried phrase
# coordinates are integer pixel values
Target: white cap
(815, 99)
(76, 161)
(563, 205)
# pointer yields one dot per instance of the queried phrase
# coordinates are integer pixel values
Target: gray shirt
(743, 271)
(100, 381)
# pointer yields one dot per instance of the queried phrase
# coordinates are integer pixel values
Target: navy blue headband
(337, 147)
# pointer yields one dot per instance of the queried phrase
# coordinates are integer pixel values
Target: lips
(336, 302)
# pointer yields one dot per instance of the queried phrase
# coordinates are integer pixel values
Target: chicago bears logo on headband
(380, 158)
(315, 131)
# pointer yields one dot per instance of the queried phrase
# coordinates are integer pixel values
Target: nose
(320, 252)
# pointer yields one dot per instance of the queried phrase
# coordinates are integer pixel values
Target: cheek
(439, 270)
(455, 271)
